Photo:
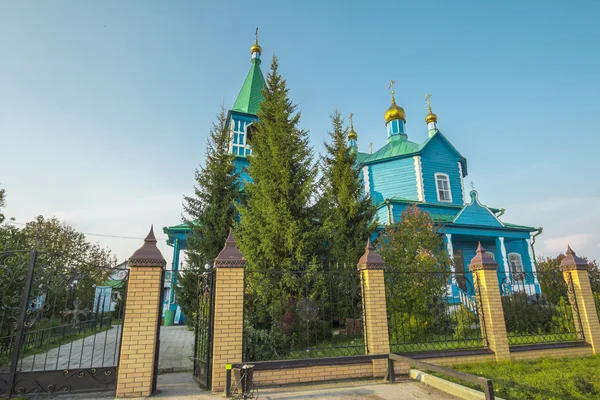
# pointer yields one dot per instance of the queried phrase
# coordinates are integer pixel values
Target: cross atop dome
(395, 117)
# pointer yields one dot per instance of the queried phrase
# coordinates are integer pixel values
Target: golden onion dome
(394, 112)
(352, 135)
(255, 48)
(431, 117)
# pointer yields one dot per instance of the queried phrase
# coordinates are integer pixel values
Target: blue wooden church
(431, 175)
(402, 173)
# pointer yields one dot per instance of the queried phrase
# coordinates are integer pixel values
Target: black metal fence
(539, 308)
(60, 323)
(302, 312)
(40, 339)
(204, 327)
(424, 315)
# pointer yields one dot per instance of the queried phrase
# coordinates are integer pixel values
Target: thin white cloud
(576, 241)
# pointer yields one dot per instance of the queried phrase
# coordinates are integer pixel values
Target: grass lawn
(547, 379)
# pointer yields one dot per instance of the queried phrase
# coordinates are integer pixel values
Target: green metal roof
(360, 157)
(515, 226)
(251, 93)
(394, 148)
(397, 199)
(180, 227)
(442, 217)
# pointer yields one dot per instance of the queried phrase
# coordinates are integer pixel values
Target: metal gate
(204, 328)
(60, 324)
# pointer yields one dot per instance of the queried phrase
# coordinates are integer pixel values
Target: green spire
(251, 93)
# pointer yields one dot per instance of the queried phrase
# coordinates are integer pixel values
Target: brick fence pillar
(575, 271)
(376, 334)
(228, 311)
(491, 314)
(141, 322)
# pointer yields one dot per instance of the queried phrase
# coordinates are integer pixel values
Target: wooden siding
(476, 214)
(241, 167)
(438, 156)
(382, 216)
(395, 178)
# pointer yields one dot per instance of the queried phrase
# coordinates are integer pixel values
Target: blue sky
(105, 106)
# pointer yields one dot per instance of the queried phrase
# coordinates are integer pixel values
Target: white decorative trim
(462, 182)
(419, 175)
(231, 124)
(437, 190)
(504, 258)
(452, 268)
(450, 247)
(366, 178)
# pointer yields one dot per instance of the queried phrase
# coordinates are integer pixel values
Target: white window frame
(437, 188)
(514, 270)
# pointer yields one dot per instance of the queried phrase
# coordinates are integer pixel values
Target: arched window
(515, 262)
(442, 185)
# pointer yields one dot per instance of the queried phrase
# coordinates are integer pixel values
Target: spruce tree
(346, 212)
(277, 222)
(210, 212)
(2, 200)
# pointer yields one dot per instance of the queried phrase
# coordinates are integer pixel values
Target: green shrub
(264, 344)
(466, 324)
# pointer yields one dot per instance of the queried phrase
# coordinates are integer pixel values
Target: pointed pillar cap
(148, 255)
(230, 256)
(482, 261)
(573, 262)
(371, 259)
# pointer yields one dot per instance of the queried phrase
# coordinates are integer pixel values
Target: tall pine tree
(277, 222)
(346, 212)
(2, 199)
(210, 212)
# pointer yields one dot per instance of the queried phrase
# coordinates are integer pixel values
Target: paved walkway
(182, 386)
(101, 349)
(176, 349)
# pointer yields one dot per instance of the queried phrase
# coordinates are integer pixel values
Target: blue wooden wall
(438, 156)
(394, 178)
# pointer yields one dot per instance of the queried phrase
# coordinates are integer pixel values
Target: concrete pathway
(176, 349)
(101, 350)
(181, 386)
(355, 390)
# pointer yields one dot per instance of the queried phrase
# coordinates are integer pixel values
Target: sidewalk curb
(449, 387)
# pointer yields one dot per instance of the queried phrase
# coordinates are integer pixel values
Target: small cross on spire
(428, 100)
(256, 35)
(391, 87)
(351, 123)
(472, 185)
(371, 147)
